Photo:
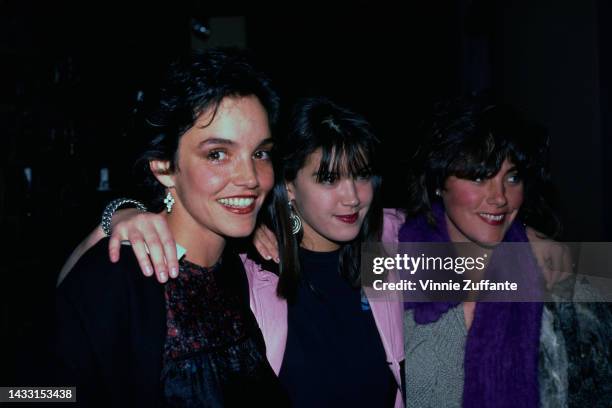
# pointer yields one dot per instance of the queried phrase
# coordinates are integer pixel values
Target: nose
(350, 197)
(497, 193)
(246, 174)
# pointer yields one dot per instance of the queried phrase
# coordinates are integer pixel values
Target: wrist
(112, 207)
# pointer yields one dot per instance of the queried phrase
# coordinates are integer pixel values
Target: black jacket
(110, 332)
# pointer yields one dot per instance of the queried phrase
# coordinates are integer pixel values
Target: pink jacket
(271, 311)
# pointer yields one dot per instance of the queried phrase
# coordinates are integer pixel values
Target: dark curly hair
(193, 85)
(469, 138)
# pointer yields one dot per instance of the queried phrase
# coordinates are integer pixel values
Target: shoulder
(248, 263)
(250, 267)
(393, 219)
(536, 236)
(95, 276)
(394, 215)
(255, 269)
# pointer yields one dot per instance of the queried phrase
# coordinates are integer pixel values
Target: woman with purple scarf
(502, 352)
(479, 178)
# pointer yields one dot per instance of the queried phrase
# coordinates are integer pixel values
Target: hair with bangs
(344, 160)
(470, 140)
(348, 148)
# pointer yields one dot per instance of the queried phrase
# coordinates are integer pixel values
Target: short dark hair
(470, 138)
(348, 147)
(193, 85)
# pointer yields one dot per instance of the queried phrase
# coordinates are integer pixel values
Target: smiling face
(482, 210)
(223, 173)
(332, 209)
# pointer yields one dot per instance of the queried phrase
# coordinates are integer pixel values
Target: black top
(334, 355)
(111, 331)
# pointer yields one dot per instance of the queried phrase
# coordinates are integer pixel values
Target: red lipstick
(242, 210)
(233, 204)
(349, 219)
(491, 221)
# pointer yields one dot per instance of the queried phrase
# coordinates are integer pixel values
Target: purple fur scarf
(501, 355)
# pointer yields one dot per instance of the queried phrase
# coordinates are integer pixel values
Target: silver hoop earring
(296, 221)
(169, 201)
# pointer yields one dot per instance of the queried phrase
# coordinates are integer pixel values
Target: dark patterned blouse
(214, 355)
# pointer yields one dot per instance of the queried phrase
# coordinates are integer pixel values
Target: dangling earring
(438, 192)
(169, 201)
(296, 221)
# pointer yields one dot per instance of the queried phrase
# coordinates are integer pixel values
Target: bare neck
(204, 247)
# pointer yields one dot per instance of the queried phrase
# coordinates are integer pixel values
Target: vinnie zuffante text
(411, 264)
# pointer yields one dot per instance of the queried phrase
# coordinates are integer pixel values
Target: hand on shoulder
(554, 258)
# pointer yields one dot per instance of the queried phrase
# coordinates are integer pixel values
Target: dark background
(71, 75)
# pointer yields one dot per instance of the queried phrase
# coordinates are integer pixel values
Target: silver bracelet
(107, 215)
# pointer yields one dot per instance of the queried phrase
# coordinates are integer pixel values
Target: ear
(161, 170)
(290, 190)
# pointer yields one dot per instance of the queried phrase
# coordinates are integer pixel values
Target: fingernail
(277, 260)
(268, 257)
(148, 271)
(163, 277)
(174, 272)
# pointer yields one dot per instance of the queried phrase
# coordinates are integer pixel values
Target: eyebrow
(228, 142)
(215, 140)
(330, 173)
(511, 169)
(266, 141)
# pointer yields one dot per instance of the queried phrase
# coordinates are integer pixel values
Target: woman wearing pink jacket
(327, 343)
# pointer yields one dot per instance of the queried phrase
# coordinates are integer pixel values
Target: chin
(239, 231)
(344, 238)
(488, 241)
